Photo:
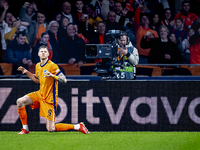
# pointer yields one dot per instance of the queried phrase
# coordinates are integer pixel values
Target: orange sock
(22, 115)
(64, 127)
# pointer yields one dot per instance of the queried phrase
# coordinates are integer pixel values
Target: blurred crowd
(163, 31)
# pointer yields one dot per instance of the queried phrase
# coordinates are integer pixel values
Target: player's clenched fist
(22, 69)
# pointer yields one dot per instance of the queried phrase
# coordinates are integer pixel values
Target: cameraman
(127, 58)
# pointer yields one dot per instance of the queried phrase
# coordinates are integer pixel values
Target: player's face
(43, 53)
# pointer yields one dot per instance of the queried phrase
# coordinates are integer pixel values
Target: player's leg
(21, 103)
(52, 127)
(47, 110)
(79, 127)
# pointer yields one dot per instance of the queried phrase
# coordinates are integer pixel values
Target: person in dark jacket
(72, 48)
(44, 40)
(163, 51)
(18, 53)
(54, 40)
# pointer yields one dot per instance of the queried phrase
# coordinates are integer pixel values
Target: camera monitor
(96, 51)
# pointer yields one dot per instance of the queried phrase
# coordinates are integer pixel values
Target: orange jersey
(139, 34)
(48, 85)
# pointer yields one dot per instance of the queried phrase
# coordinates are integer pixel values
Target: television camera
(107, 53)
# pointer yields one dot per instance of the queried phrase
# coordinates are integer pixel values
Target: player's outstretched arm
(29, 74)
(61, 77)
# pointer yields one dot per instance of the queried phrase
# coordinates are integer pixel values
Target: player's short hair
(43, 46)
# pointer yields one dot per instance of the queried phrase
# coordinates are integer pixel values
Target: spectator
(179, 30)
(79, 9)
(107, 5)
(28, 11)
(99, 37)
(80, 35)
(163, 51)
(194, 48)
(122, 13)
(66, 12)
(111, 24)
(85, 28)
(54, 40)
(97, 4)
(92, 14)
(36, 28)
(143, 30)
(142, 8)
(130, 30)
(186, 46)
(44, 40)
(155, 23)
(111, 5)
(62, 32)
(196, 24)
(18, 53)
(186, 15)
(177, 6)
(179, 44)
(16, 27)
(72, 48)
(167, 19)
(57, 17)
(5, 26)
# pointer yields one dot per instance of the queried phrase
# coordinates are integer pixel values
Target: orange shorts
(46, 109)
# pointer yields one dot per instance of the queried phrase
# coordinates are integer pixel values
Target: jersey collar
(44, 64)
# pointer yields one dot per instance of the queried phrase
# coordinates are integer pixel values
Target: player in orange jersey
(47, 74)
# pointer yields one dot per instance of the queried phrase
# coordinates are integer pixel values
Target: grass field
(100, 141)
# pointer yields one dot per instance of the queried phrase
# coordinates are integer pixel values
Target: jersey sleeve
(55, 70)
(36, 71)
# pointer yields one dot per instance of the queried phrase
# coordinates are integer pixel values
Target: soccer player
(47, 74)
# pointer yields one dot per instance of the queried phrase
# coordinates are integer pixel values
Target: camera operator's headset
(123, 33)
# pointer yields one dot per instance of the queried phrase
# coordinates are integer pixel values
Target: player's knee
(19, 103)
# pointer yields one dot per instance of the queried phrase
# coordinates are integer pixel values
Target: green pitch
(100, 141)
